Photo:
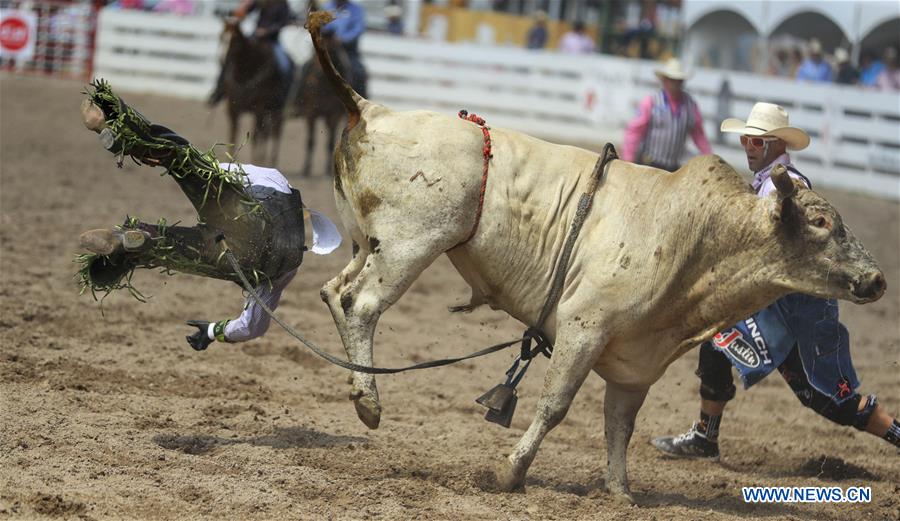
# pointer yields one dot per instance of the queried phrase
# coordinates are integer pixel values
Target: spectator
(814, 68)
(394, 15)
(889, 79)
(537, 35)
(847, 74)
(576, 41)
(796, 60)
(128, 4)
(870, 68)
(780, 64)
(182, 7)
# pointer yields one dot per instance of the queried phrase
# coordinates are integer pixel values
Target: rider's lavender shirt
(762, 180)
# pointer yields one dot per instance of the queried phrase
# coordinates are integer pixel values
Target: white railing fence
(580, 99)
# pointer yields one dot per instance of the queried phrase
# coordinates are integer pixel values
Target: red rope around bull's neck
(486, 153)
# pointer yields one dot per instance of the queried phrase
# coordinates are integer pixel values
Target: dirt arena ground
(112, 416)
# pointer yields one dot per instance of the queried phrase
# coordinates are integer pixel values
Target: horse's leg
(332, 123)
(275, 140)
(259, 139)
(234, 122)
(310, 143)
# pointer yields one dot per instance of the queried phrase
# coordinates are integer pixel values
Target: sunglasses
(756, 142)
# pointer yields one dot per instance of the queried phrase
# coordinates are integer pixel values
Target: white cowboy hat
(672, 70)
(768, 119)
(815, 46)
(841, 55)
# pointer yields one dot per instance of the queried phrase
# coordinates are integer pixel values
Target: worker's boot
(691, 444)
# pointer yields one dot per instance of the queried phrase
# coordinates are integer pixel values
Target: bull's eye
(821, 222)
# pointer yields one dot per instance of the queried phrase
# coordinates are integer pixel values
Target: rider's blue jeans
(282, 60)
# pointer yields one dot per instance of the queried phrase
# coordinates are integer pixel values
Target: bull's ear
(784, 199)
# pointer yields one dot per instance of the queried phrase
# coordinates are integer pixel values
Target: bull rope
(534, 333)
(486, 153)
(333, 359)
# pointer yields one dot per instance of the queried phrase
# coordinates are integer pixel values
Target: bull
(663, 262)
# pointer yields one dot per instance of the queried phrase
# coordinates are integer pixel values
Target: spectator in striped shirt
(657, 136)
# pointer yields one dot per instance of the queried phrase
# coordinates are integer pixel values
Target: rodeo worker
(799, 335)
(656, 137)
(255, 210)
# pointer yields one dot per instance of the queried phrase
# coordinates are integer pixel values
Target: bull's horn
(782, 180)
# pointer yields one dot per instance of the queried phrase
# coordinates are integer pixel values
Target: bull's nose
(871, 286)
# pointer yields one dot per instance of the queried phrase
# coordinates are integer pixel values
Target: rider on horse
(348, 26)
(273, 16)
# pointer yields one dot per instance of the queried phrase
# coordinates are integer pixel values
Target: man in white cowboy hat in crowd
(656, 137)
(799, 335)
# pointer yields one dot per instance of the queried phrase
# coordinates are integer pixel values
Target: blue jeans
(282, 60)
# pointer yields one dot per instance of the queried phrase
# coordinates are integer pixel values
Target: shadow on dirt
(596, 486)
(825, 468)
(833, 469)
(728, 503)
(281, 438)
(486, 481)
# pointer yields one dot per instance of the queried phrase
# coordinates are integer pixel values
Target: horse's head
(244, 56)
(231, 27)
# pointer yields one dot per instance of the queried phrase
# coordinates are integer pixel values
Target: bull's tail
(343, 90)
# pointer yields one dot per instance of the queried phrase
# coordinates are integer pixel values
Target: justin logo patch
(733, 343)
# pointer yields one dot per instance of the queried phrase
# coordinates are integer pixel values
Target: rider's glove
(200, 339)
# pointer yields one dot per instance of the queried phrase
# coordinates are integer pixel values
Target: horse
(316, 99)
(252, 83)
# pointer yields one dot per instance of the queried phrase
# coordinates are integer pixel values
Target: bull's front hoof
(368, 410)
(621, 495)
(508, 480)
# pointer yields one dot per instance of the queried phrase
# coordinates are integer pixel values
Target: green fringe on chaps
(223, 206)
(168, 251)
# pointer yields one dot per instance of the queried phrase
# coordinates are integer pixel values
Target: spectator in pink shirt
(576, 41)
(182, 7)
(889, 79)
(129, 4)
(657, 136)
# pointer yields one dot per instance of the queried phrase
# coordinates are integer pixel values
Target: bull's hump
(712, 174)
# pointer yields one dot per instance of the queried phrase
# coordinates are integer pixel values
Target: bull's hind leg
(573, 357)
(388, 269)
(620, 408)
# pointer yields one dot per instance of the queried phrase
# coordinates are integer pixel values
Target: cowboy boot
(108, 242)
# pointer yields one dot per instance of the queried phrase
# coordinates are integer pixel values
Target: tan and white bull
(663, 261)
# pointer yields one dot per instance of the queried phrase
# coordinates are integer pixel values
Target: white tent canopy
(856, 19)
